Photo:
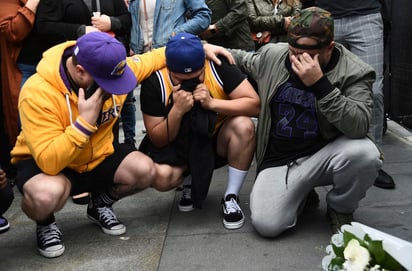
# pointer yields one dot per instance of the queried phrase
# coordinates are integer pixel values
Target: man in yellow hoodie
(67, 110)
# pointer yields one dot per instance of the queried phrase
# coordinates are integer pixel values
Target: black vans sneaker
(49, 240)
(186, 202)
(233, 217)
(337, 220)
(4, 224)
(105, 218)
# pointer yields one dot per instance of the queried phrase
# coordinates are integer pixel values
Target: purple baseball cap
(104, 57)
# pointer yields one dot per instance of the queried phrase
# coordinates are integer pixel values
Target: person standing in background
(64, 20)
(359, 27)
(308, 3)
(229, 27)
(268, 19)
(17, 18)
(59, 21)
(155, 22)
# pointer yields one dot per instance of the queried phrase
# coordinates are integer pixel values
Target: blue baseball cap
(184, 53)
(104, 57)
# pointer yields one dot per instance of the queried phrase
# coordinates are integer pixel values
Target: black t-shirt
(152, 97)
(294, 131)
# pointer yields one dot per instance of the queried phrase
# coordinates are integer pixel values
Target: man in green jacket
(316, 107)
(229, 27)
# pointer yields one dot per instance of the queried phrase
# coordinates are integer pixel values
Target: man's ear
(81, 75)
(80, 70)
(331, 45)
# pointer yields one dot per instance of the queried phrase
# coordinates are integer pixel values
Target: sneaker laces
(232, 206)
(49, 234)
(107, 215)
(187, 192)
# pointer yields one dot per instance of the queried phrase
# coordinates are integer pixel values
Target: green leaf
(347, 236)
(338, 250)
(375, 249)
(379, 255)
(391, 264)
(336, 262)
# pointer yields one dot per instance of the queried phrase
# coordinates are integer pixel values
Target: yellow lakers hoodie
(48, 113)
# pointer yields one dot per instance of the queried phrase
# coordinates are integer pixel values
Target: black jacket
(62, 20)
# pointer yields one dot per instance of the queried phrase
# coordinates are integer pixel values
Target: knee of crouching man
(270, 228)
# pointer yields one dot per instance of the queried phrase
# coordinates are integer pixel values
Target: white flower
(328, 258)
(337, 239)
(357, 257)
(375, 268)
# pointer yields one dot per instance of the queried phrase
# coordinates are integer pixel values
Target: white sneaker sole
(187, 208)
(234, 225)
(5, 228)
(117, 231)
(53, 251)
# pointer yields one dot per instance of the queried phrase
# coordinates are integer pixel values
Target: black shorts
(99, 179)
(174, 155)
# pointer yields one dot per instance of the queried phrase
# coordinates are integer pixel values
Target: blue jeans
(128, 116)
(26, 71)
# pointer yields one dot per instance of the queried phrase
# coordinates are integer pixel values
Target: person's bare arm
(163, 130)
(243, 100)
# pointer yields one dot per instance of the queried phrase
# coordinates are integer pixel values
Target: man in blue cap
(198, 116)
(67, 110)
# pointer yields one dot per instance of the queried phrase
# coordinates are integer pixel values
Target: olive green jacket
(262, 17)
(230, 17)
(345, 110)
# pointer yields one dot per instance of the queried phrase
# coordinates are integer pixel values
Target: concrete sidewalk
(159, 237)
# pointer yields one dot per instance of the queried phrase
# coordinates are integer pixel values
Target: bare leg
(168, 177)
(137, 172)
(236, 141)
(44, 195)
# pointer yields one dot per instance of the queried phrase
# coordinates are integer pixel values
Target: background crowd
(279, 50)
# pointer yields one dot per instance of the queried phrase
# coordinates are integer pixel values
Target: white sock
(236, 177)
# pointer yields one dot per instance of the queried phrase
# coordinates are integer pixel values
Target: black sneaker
(105, 218)
(4, 225)
(233, 217)
(49, 240)
(186, 202)
(337, 220)
(384, 180)
(311, 202)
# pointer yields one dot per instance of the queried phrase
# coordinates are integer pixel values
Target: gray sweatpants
(349, 165)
